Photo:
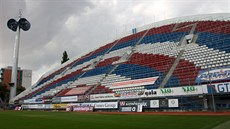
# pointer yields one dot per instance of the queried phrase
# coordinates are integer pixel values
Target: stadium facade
(176, 64)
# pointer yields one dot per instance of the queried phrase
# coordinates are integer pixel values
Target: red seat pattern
(63, 92)
(159, 62)
(78, 90)
(214, 26)
(186, 72)
(108, 61)
(101, 89)
(162, 29)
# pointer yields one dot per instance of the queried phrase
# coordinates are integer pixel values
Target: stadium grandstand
(176, 64)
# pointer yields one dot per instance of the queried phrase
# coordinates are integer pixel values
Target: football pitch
(74, 120)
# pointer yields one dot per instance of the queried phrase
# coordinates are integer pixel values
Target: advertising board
(83, 108)
(128, 109)
(145, 103)
(96, 97)
(106, 105)
(213, 75)
(69, 99)
(173, 103)
(177, 91)
(132, 83)
(219, 88)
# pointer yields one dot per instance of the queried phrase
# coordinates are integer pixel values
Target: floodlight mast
(16, 26)
(15, 62)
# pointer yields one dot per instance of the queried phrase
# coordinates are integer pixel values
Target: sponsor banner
(118, 95)
(21, 101)
(145, 104)
(73, 104)
(139, 108)
(48, 106)
(39, 100)
(176, 91)
(129, 95)
(128, 109)
(59, 106)
(163, 103)
(173, 103)
(154, 103)
(83, 108)
(96, 97)
(69, 99)
(219, 88)
(35, 106)
(106, 105)
(29, 100)
(213, 75)
(83, 98)
(47, 100)
(44, 106)
(101, 105)
(87, 104)
(56, 99)
(69, 108)
(38, 106)
(137, 82)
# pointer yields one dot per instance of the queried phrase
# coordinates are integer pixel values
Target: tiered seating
(98, 52)
(62, 93)
(214, 27)
(108, 61)
(214, 34)
(158, 62)
(97, 71)
(154, 56)
(204, 57)
(101, 89)
(140, 89)
(77, 91)
(128, 41)
(165, 48)
(158, 65)
(186, 72)
(113, 78)
(89, 80)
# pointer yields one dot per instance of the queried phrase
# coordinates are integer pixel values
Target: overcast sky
(79, 26)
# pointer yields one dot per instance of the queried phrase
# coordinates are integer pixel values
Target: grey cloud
(94, 22)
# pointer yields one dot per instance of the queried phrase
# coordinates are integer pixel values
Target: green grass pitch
(74, 120)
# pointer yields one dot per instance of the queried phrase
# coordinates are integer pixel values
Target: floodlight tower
(15, 26)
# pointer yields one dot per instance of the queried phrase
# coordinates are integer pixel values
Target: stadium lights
(15, 26)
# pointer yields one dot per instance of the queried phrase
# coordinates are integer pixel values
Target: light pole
(210, 86)
(15, 26)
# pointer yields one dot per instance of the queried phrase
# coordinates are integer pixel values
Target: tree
(20, 89)
(64, 57)
(4, 93)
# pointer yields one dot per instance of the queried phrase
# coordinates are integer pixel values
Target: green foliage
(4, 93)
(20, 89)
(74, 120)
(64, 57)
